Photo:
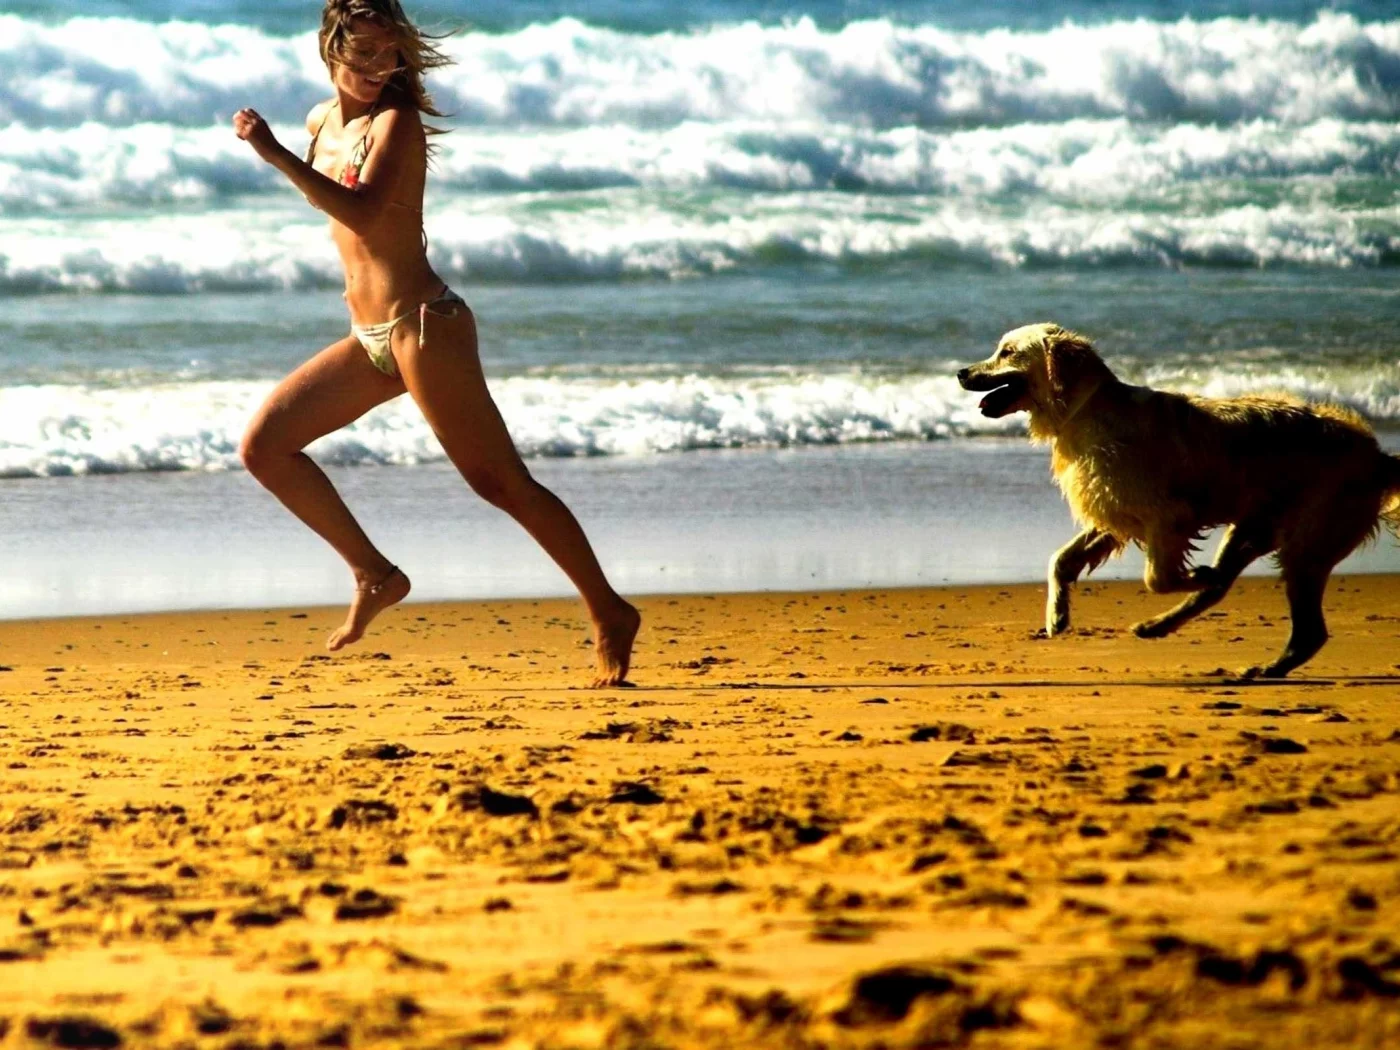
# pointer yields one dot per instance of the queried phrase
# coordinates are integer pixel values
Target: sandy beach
(850, 819)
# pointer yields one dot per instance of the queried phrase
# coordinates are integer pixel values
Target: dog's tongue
(999, 402)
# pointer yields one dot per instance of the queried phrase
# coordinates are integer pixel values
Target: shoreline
(1103, 609)
(892, 515)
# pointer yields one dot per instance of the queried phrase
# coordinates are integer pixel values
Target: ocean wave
(652, 16)
(59, 430)
(1373, 392)
(1079, 160)
(639, 235)
(875, 73)
(63, 430)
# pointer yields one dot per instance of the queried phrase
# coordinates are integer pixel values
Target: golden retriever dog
(1305, 482)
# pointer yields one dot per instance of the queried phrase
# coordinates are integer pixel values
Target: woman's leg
(333, 389)
(446, 380)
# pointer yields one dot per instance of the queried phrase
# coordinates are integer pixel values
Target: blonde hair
(418, 51)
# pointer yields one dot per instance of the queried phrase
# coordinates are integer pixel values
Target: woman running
(409, 332)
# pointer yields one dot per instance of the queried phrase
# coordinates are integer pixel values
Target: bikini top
(350, 174)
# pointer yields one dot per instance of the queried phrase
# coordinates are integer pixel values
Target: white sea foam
(95, 164)
(882, 74)
(874, 73)
(54, 430)
(586, 153)
(1080, 160)
(47, 430)
(628, 233)
(1374, 393)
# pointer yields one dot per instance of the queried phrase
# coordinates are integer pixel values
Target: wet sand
(852, 819)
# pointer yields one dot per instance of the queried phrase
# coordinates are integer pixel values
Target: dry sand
(889, 819)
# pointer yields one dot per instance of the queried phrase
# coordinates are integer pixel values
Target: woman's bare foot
(614, 645)
(370, 600)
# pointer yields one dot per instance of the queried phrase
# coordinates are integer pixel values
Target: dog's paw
(1265, 671)
(1152, 628)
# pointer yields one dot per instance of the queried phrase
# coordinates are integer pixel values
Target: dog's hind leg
(1304, 586)
(1090, 549)
(1235, 553)
(1334, 525)
(1167, 554)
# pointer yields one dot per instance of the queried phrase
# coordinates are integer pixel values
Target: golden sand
(883, 819)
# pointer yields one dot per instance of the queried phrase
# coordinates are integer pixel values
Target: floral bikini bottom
(376, 338)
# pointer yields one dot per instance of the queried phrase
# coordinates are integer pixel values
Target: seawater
(790, 357)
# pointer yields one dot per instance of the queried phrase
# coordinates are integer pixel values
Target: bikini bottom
(375, 338)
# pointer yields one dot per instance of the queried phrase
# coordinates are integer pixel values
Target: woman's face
(370, 59)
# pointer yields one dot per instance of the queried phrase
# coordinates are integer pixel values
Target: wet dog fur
(1307, 483)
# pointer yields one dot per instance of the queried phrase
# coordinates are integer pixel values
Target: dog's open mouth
(1004, 392)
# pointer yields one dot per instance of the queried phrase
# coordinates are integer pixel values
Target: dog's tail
(1390, 493)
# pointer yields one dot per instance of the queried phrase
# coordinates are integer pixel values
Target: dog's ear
(1068, 358)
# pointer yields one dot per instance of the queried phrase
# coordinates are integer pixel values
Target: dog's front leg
(1088, 550)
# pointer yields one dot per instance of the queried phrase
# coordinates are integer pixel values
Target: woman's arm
(394, 135)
